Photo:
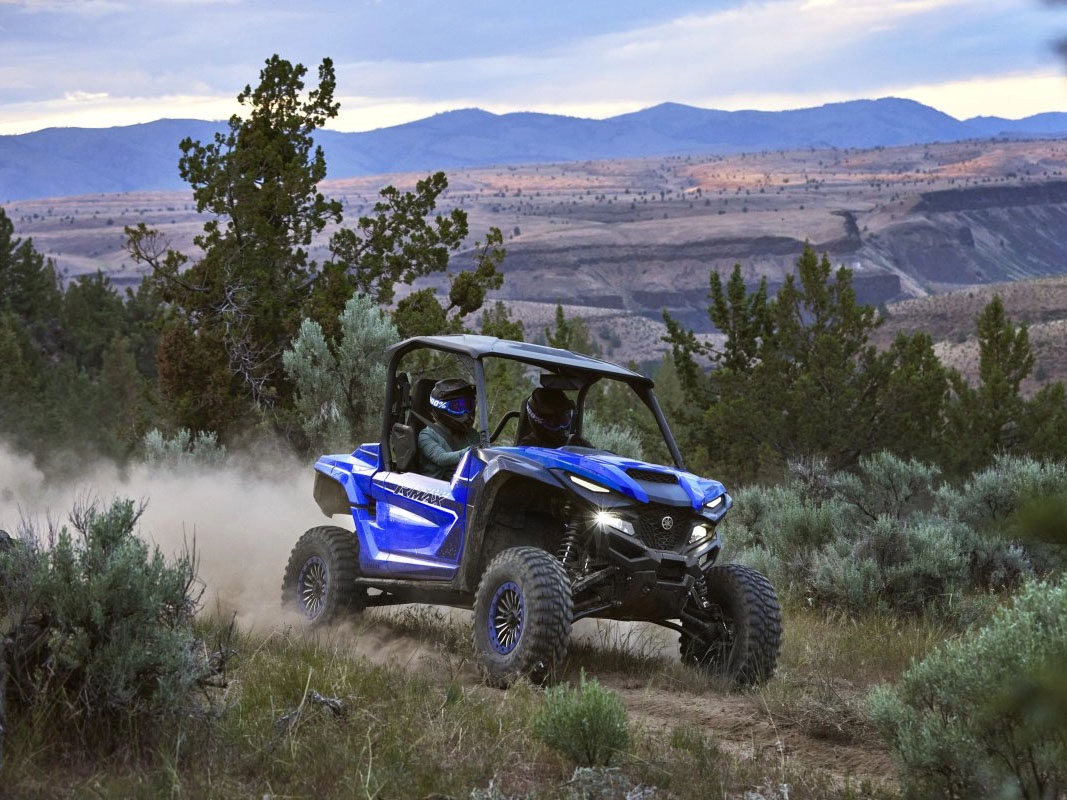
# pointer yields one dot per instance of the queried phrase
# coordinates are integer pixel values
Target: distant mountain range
(72, 161)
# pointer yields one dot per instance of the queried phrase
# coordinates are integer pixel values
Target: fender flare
(499, 471)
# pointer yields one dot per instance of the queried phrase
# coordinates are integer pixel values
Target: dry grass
(829, 662)
(412, 728)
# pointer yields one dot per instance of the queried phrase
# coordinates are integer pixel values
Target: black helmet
(550, 412)
(452, 403)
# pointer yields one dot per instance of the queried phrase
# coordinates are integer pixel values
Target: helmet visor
(455, 406)
(552, 421)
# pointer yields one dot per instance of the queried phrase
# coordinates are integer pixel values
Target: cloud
(85, 8)
(82, 97)
(956, 54)
(107, 111)
(759, 55)
(1015, 96)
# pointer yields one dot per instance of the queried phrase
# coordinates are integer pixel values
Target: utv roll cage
(567, 371)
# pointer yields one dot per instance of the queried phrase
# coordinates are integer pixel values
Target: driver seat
(404, 437)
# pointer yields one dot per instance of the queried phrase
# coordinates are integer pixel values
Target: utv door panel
(419, 522)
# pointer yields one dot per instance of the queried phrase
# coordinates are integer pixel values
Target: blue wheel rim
(312, 587)
(507, 618)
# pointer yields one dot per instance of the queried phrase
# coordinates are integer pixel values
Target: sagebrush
(888, 536)
(957, 720)
(587, 723)
(99, 626)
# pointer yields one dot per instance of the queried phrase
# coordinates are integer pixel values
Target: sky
(97, 63)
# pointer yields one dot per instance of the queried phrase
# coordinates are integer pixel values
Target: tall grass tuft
(588, 724)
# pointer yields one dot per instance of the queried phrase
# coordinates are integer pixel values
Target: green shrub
(183, 450)
(887, 486)
(955, 721)
(989, 503)
(991, 496)
(890, 564)
(612, 437)
(340, 384)
(98, 627)
(883, 536)
(587, 724)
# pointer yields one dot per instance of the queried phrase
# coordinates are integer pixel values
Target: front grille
(651, 476)
(651, 531)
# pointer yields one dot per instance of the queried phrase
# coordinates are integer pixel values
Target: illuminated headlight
(713, 504)
(589, 486)
(699, 534)
(606, 519)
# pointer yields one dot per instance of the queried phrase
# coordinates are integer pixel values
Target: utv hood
(637, 480)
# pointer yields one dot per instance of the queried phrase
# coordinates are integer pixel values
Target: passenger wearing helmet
(442, 444)
(550, 413)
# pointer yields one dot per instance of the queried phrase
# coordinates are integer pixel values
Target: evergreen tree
(505, 381)
(93, 315)
(989, 418)
(798, 376)
(122, 406)
(29, 287)
(744, 318)
(570, 333)
(421, 313)
(233, 312)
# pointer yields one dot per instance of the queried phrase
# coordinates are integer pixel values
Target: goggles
(456, 406)
(557, 421)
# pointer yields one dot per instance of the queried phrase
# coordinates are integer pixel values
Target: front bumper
(647, 584)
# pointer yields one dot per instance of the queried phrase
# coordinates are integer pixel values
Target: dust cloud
(243, 518)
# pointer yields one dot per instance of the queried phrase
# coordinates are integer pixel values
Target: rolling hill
(59, 162)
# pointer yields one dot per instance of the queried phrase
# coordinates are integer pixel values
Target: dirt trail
(739, 723)
(744, 728)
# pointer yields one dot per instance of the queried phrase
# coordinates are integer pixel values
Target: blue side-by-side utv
(530, 538)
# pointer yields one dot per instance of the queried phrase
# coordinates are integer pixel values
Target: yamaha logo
(667, 523)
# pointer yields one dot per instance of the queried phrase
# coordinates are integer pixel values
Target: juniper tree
(987, 418)
(234, 310)
(798, 376)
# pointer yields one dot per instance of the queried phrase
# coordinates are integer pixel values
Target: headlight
(589, 486)
(715, 503)
(698, 534)
(605, 519)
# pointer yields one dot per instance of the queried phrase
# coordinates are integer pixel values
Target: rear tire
(522, 616)
(738, 639)
(320, 578)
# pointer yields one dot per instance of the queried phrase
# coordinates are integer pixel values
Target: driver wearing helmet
(442, 444)
(550, 413)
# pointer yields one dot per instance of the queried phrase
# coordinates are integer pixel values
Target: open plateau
(616, 242)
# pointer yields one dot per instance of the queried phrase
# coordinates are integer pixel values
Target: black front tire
(738, 638)
(320, 578)
(522, 616)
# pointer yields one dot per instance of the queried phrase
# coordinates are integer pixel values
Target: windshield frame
(586, 370)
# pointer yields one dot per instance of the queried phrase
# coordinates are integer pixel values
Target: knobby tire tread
(762, 637)
(549, 612)
(340, 551)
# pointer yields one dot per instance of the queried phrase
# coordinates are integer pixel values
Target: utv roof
(562, 362)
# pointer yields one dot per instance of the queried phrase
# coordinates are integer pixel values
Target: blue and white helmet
(551, 413)
(452, 403)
